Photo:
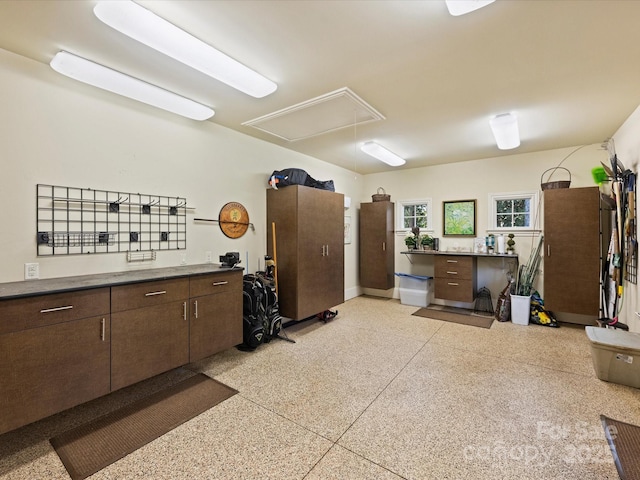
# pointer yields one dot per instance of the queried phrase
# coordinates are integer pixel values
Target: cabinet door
(148, 341)
(376, 245)
(572, 250)
(49, 369)
(215, 323)
(320, 250)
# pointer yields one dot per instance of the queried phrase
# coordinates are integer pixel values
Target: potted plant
(510, 244)
(410, 241)
(426, 241)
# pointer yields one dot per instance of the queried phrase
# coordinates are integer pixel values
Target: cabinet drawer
(215, 283)
(30, 312)
(146, 294)
(454, 267)
(456, 290)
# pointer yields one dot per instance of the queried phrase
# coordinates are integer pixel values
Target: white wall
(56, 131)
(60, 132)
(478, 179)
(627, 147)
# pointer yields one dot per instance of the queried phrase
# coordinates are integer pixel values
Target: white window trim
(400, 228)
(534, 196)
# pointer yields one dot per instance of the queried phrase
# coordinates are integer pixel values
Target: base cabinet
(215, 307)
(50, 359)
(148, 341)
(455, 278)
(59, 350)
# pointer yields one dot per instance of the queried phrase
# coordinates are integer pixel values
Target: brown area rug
(91, 447)
(624, 441)
(455, 315)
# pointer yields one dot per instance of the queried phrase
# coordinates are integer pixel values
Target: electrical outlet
(31, 271)
(207, 257)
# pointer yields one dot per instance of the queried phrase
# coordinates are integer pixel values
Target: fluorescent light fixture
(505, 130)
(382, 154)
(148, 28)
(460, 7)
(99, 76)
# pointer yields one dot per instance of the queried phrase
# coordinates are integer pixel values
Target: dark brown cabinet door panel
(215, 323)
(148, 341)
(572, 250)
(376, 242)
(49, 369)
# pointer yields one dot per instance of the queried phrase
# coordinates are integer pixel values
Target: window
(414, 213)
(513, 211)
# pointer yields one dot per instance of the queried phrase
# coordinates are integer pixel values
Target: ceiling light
(146, 27)
(505, 130)
(460, 7)
(99, 76)
(382, 154)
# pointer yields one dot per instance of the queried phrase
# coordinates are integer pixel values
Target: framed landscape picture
(459, 218)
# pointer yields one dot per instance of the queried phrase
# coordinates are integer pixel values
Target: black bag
(261, 318)
(297, 176)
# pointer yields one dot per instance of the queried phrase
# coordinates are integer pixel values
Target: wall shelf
(72, 221)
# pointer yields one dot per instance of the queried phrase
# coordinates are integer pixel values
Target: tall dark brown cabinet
(573, 249)
(309, 225)
(376, 243)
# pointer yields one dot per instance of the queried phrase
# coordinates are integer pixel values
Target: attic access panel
(329, 112)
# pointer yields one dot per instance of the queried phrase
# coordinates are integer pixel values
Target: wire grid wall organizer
(73, 221)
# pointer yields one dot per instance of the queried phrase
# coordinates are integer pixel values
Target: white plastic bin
(415, 290)
(520, 309)
(615, 355)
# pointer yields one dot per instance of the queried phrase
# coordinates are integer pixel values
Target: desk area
(456, 273)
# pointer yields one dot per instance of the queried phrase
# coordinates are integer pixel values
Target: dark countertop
(466, 254)
(29, 288)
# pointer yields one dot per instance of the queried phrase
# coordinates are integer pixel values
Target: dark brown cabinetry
(58, 350)
(455, 278)
(376, 243)
(215, 307)
(54, 354)
(149, 330)
(572, 255)
(310, 248)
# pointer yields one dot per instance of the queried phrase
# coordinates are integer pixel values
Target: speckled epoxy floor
(374, 394)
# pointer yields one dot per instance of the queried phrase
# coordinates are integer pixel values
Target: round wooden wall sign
(233, 220)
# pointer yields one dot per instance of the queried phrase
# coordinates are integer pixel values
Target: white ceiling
(569, 69)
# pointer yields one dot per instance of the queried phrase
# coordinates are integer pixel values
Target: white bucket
(520, 309)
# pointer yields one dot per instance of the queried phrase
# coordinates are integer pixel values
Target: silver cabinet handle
(452, 273)
(184, 310)
(56, 309)
(453, 284)
(327, 250)
(216, 284)
(452, 261)
(548, 250)
(384, 246)
(151, 294)
(323, 254)
(195, 304)
(102, 328)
